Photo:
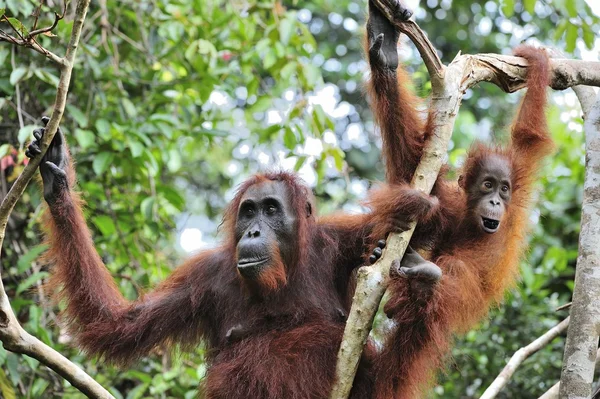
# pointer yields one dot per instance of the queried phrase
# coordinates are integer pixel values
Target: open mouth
(490, 225)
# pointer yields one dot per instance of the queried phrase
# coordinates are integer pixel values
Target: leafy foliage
(173, 102)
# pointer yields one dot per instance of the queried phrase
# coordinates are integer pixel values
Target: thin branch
(12, 335)
(5, 18)
(36, 32)
(5, 37)
(519, 357)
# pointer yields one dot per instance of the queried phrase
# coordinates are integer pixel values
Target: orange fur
(477, 268)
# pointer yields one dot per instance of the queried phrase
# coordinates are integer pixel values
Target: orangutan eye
(271, 209)
(487, 184)
(505, 188)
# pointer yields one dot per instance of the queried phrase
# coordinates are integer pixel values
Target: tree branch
(582, 338)
(448, 86)
(12, 335)
(552, 393)
(520, 356)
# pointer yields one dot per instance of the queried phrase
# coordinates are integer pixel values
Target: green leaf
(18, 25)
(571, 38)
(105, 224)
(12, 363)
(287, 71)
(174, 163)
(2, 12)
(31, 280)
(8, 392)
(571, 6)
(135, 147)
(286, 28)
(508, 8)
(25, 134)
(529, 6)
(138, 392)
(39, 386)
(76, 114)
(102, 162)
(130, 109)
(47, 77)
(85, 138)
(17, 74)
(270, 59)
(289, 138)
(25, 261)
(588, 35)
(103, 128)
(4, 150)
(560, 29)
(146, 207)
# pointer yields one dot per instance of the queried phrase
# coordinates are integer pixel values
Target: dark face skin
(490, 193)
(266, 222)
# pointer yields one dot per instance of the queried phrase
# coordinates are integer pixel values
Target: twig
(12, 335)
(12, 26)
(17, 90)
(520, 356)
(562, 307)
(552, 393)
(34, 46)
(36, 32)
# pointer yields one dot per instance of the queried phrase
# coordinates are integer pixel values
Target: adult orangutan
(268, 302)
(477, 233)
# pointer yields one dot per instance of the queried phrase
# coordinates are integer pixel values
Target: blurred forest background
(175, 102)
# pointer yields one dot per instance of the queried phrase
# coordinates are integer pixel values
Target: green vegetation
(173, 103)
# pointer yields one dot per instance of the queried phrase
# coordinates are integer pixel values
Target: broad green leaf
(103, 128)
(571, 6)
(560, 29)
(105, 224)
(508, 8)
(25, 261)
(571, 38)
(4, 150)
(588, 35)
(17, 74)
(136, 148)
(289, 138)
(7, 389)
(2, 12)
(102, 162)
(146, 207)
(174, 163)
(46, 76)
(129, 107)
(76, 114)
(529, 6)
(286, 28)
(270, 59)
(25, 134)
(85, 138)
(12, 363)
(18, 25)
(138, 392)
(31, 280)
(39, 386)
